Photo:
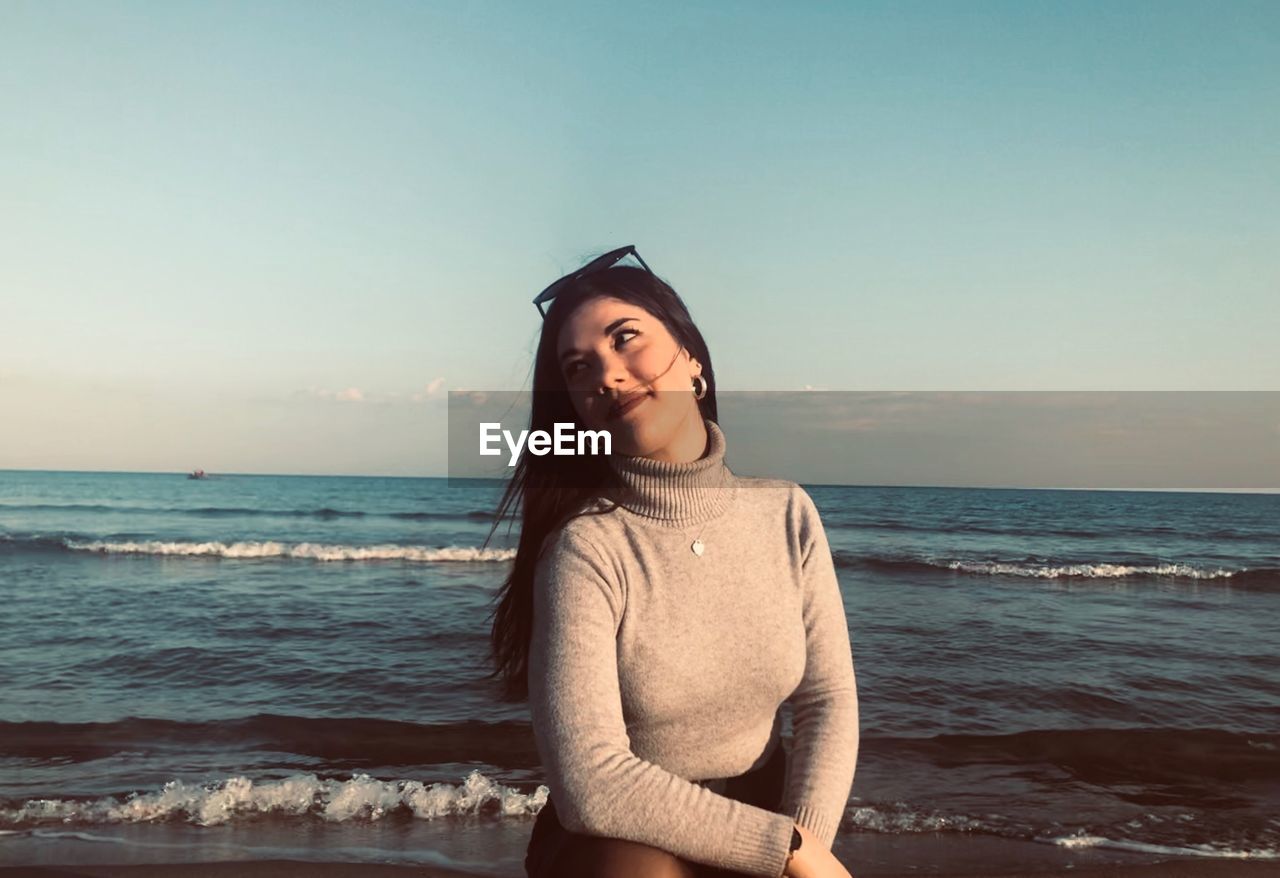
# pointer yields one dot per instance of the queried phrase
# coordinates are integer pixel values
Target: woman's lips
(627, 406)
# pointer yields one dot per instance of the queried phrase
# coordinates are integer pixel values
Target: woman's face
(610, 350)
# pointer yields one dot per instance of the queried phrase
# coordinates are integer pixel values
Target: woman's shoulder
(590, 525)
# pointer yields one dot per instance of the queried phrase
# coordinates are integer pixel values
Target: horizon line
(208, 474)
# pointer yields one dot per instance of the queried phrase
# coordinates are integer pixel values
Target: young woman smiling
(660, 611)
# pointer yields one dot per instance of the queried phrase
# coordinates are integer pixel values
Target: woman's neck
(677, 492)
(689, 445)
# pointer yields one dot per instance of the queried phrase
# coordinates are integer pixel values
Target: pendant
(697, 548)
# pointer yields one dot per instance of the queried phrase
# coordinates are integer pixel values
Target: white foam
(335, 801)
(899, 819)
(1089, 571)
(1079, 841)
(306, 551)
(1083, 840)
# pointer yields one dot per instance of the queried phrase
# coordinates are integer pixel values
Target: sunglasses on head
(600, 263)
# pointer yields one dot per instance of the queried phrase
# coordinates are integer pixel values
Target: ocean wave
(901, 818)
(1140, 757)
(904, 818)
(361, 797)
(1199, 765)
(1143, 756)
(293, 551)
(1101, 570)
(1048, 569)
(323, 512)
(338, 740)
(254, 549)
(836, 522)
(1083, 840)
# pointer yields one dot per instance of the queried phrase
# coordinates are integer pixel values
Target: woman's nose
(612, 372)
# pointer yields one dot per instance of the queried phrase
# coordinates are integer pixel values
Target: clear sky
(270, 237)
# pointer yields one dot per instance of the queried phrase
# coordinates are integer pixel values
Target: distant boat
(197, 474)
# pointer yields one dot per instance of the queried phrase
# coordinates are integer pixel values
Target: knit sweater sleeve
(599, 786)
(824, 750)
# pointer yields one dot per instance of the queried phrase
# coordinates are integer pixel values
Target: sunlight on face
(609, 347)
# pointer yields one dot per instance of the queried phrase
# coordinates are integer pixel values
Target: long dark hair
(552, 489)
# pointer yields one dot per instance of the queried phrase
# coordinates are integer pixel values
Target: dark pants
(552, 847)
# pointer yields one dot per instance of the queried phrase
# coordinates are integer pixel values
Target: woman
(661, 609)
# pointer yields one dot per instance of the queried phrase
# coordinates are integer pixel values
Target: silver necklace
(698, 546)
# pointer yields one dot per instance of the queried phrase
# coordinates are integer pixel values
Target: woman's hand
(813, 860)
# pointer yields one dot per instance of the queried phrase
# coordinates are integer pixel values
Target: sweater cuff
(762, 849)
(820, 823)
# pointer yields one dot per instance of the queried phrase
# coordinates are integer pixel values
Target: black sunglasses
(600, 263)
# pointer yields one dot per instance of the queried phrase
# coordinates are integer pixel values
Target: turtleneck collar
(677, 493)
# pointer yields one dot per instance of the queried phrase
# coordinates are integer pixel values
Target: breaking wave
(1062, 569)
(211, 804)
(305, 551)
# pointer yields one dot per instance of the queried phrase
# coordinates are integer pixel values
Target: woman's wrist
(796, 840)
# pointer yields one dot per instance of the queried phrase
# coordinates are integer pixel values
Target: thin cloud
(434, 389)
(349, 394)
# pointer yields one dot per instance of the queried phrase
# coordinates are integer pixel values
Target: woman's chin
(633, 437)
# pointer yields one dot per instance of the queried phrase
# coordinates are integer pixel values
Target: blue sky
(271, 237)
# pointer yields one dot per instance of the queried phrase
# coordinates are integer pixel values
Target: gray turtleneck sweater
(652, 667)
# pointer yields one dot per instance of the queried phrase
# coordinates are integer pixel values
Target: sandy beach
(292, 868)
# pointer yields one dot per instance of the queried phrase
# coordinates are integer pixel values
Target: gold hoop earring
(699, 387)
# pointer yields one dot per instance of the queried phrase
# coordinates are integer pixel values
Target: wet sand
(1185, 868)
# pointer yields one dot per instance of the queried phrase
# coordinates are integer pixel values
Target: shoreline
(1173, 868)
(496, 849)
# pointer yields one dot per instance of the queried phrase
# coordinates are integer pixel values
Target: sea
(252, 666)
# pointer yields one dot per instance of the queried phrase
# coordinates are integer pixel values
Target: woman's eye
(573, 367)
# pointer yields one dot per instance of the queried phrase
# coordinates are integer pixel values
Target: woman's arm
(599, 786)
(825, 720)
